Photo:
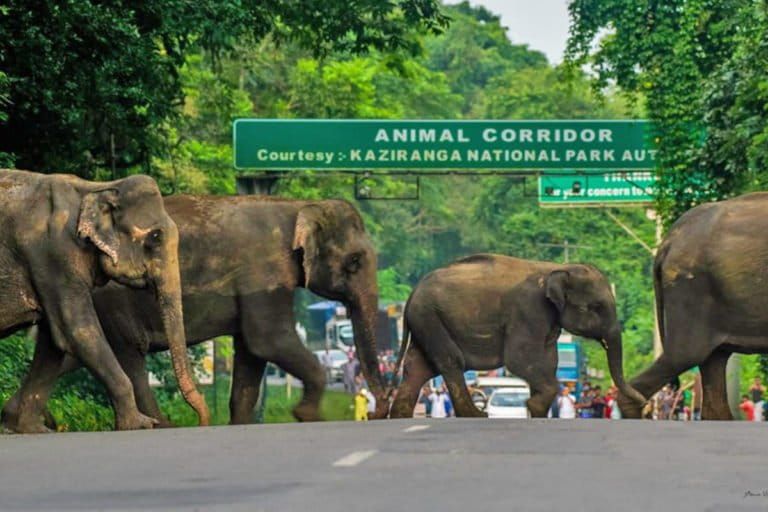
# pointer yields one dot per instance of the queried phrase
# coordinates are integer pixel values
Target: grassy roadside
(336, 405)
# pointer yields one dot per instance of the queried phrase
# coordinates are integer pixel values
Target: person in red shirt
(610, 401)
(748, 407)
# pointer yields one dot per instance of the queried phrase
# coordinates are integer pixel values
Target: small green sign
(363, 145)
(590, 188)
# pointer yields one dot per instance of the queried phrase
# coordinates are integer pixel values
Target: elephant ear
(96, 222)
(308, 225)
(557, 282)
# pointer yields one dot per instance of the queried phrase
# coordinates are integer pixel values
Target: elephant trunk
(363, 313)
(168, 290)
(615, 365)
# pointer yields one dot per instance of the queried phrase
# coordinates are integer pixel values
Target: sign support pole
(657, 347)
(259, 184)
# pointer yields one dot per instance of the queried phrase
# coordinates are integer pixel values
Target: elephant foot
(164, 422)
(12, 419)
(716, 414)
(28, 426)
(538, 407)
(50, 421)
(382, 410)
(630, 409)
(135, 421)
(399, 411)
(472, 412)
(9, 417)
(307, 412)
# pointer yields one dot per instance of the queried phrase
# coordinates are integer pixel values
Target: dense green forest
(108, 91)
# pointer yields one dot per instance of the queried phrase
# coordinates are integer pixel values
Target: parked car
(485, 387)
(274, 371)
(339, 358)
(509, 403)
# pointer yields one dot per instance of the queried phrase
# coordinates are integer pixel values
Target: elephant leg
(13, 408)
(75, 327)
(536, 363)
(416, 372)
(446, 358)
(663, 370)
(134, 364)
(25, 411)
(714, 404)
(247, 373)
(268, 332)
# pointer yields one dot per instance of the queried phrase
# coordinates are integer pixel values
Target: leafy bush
(335, 406)
(75, 413)
(79, 402)
(15, 356)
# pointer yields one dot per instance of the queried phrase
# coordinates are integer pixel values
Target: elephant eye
(153, 239)
(353, 264)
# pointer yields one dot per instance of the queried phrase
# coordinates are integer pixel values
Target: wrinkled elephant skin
(488, 310)
(241, 260)
(61, 238)
(711, 298)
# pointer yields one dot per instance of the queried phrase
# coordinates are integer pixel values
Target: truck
(330, 318)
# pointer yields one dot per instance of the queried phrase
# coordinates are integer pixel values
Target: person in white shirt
(566, 404)
(327, 361)
(438, 399)
(371, 402)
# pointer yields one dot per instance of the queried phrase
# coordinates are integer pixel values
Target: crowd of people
(355, 384)
(672, 402)
(591, 403)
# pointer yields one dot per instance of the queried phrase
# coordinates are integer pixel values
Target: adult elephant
(241, 260)
(489, 310)
(711, 297)
(61, 237)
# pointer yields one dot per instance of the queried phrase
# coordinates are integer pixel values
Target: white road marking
(416, 428)
(354, 458)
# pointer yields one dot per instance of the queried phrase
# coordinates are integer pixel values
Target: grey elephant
(61, 237)
(489, 310)
(242, 258)
(710, 276)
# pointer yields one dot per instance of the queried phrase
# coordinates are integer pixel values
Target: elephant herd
(111, 271)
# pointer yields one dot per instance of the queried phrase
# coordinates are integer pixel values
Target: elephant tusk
(604, 344)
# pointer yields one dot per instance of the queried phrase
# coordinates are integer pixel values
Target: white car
(339, 357)
(509, 403)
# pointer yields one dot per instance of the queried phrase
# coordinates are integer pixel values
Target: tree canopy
(95, 85)
(699, 67)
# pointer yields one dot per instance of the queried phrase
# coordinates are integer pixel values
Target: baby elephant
(487, 310)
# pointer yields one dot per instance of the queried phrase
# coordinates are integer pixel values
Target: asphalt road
(405, 465)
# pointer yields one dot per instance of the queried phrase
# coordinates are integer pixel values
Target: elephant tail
(658, 287)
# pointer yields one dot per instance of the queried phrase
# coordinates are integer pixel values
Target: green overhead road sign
(597, 188)
(365, 145)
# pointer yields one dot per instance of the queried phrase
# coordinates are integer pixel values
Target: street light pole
(658, 349)
(653, 215)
